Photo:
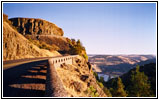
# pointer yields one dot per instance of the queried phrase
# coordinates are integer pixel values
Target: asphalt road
(13, 63)
(25, 77)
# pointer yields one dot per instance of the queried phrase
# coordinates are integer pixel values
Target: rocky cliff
(34, 26)
(16, 46)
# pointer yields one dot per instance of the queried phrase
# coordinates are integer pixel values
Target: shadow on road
(26, 80)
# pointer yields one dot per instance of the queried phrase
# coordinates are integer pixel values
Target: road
(25, 77)
(13, 63)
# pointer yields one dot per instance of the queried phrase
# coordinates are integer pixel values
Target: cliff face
(16, 46)
(31, 26)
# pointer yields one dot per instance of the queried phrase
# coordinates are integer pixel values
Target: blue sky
(103, 28)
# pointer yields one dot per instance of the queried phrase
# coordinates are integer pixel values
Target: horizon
(103, 28)
(122, 54)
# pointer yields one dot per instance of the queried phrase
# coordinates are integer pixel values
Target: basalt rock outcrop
(32, 26)
(16, 46)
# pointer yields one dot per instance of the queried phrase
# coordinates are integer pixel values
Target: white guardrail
(57, 61)
(54, 86)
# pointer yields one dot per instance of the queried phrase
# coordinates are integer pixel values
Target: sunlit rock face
(32, 26)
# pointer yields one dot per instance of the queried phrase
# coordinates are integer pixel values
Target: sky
(103, 28)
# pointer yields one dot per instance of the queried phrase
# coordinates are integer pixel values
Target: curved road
(25, 77)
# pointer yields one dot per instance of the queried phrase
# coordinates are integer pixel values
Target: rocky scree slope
(78, 79)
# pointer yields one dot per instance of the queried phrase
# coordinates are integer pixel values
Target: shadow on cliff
(25, 80)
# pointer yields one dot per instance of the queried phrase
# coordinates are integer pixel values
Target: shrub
(102, 79)
(107, 92)
(100, 84)
(85, 56)
(91, 91)
(96, 76)
(76, 48)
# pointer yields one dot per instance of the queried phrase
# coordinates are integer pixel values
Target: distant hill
(119, 59)
(153, 60)
(119, 64)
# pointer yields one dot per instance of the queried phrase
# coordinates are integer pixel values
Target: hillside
(59, 43)
(47, 35)
(148, 69)
(78, 79)
(119, 64)
(16, 46)
(119, 59)
(44, 35)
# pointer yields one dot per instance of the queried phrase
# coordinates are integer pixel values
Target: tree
(96, 76)
(120, 92)
(79, 42)
(76, 48)
(101, 79)
(73, 41)
(107, 92)
(139, 87)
